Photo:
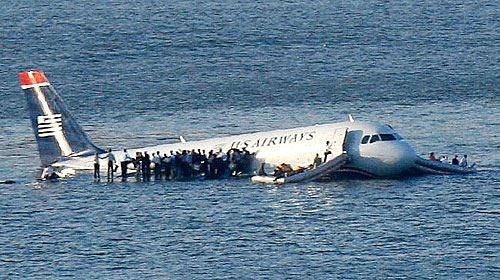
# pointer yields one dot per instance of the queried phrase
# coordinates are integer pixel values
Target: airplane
(374, 149)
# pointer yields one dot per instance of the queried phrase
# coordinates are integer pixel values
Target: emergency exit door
(338, 142)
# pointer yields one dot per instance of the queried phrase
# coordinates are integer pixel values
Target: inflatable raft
(307, 175)
(436, 167)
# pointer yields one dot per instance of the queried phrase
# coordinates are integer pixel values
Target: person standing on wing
(126, 159)
(157, 161)
(111, 165)
(97, 166)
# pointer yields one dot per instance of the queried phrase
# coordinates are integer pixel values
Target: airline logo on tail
(38, 88)
(49, 125)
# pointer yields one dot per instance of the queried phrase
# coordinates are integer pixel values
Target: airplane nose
(403, 156)
(386, 158)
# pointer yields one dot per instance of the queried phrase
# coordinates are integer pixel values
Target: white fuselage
(386, 157)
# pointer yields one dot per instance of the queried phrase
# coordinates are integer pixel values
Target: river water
(138, 73)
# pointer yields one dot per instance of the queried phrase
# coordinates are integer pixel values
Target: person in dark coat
(146, 170)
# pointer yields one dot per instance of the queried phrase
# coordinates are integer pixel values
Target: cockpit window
(375, 138)
(387, 137)
(380, 137)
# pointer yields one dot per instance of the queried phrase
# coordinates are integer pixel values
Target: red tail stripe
(38, 77)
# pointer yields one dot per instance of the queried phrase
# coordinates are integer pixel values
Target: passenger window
(365, 139)
(375, 138)
(387, 137)
(398, 137)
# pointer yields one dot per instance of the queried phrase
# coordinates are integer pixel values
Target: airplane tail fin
(57, 133)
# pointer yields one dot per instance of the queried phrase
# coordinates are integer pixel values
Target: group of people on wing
(455, 161)
(178, 165)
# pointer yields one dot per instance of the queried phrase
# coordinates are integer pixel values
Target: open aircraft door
(338, 145)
